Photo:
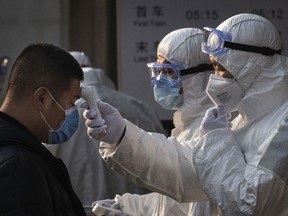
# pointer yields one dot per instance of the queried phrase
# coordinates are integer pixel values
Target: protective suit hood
(183, 46)
(258, 74)
(178, 47)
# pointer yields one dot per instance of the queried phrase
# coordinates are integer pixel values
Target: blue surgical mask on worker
(67, 127)
(166, 79)
(169, 98)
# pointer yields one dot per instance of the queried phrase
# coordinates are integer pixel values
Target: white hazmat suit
(182, 46)
(243, 171)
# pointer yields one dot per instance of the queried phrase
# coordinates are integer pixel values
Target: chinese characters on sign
(145, 51)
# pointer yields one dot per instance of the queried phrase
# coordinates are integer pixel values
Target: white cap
(81, 58)
(183, 46)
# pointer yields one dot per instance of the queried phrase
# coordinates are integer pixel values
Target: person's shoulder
(23, 177)
(9, 152)
(13, 158)
(10, 160)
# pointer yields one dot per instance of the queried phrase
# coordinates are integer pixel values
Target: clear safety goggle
(4, 60)
(217, 42)
(173, 71)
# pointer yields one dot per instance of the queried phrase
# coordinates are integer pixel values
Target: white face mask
(225, 91)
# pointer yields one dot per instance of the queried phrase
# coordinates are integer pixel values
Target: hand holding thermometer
(90, 96)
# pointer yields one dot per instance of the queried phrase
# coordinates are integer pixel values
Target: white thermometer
(90, 96)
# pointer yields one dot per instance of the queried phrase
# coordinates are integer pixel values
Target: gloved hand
(111, 120)
(109, 207)
(215, 117)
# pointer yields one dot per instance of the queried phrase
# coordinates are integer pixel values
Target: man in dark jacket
(38, 107)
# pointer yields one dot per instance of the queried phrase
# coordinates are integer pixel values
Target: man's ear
(40, 97)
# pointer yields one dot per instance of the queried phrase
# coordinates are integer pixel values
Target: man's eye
(166, 71)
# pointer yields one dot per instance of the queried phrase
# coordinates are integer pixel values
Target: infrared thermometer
(89, 94)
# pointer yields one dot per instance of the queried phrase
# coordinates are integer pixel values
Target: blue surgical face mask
(66, 129)
(169, 98)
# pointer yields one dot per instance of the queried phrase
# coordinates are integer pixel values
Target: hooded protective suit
(243, 171)
(90, 177)
(250, 162)
(182, 46)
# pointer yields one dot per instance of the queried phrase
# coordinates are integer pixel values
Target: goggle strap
(197, 69)
(249, 48)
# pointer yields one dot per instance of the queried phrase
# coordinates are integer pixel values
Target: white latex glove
(111, 120)
(215, 117)
(109, 207)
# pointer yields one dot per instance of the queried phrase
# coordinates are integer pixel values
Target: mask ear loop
(56, 101)
(46, 121)
(43, 115)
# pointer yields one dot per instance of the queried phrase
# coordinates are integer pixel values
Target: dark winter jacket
(32, 180)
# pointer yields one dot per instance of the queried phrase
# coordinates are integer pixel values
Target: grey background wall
(72, 24)
(107, 30)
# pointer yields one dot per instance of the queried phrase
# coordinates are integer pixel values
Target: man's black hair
(43, 65)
